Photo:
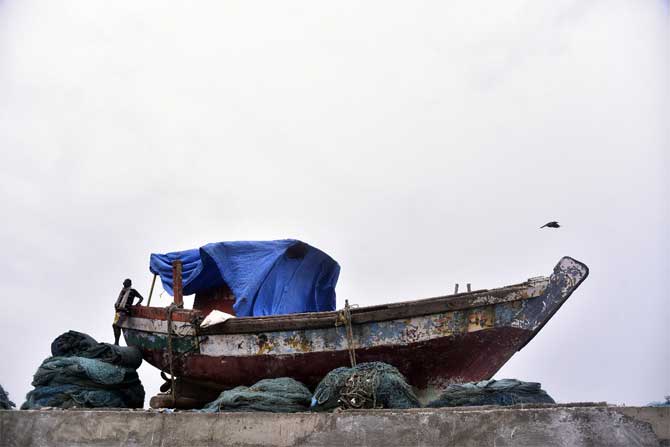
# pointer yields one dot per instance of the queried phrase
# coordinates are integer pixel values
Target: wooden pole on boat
(468, 286)
(350, 333)
(151, 291)
(178, 292)
(456, 289)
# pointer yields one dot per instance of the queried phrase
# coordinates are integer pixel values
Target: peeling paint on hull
(432, 350)
(431, 364)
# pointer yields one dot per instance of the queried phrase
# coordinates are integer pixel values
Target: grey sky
(418, 143)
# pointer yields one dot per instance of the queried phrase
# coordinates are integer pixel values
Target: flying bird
(552, 224)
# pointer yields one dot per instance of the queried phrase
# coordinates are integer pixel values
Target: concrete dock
(538, 425)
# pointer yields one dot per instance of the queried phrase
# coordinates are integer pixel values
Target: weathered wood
(177, 290)
(151, 290)
(360, 315)
(363, 315)
(180, 402)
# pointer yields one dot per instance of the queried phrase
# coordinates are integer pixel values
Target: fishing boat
(436, 341)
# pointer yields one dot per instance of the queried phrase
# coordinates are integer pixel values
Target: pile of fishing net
(88, 374)
(282, 395)
(366, 385)
(665, 403)
(78, 344)
(492, 392)
(5, 403)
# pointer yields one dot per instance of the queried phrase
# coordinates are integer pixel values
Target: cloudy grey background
(419, 143)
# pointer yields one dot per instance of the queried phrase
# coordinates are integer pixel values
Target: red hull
(464, 358)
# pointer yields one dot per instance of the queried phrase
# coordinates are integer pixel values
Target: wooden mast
(177, 289)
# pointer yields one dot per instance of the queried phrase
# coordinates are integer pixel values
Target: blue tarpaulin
(266, 277)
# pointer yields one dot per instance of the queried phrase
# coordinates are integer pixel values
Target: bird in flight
(552, 224)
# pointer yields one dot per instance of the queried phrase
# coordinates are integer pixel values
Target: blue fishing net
(282, 395)
(666, 403)
(73, 343)
(79, 370)
(367, 385)
(5, 403)
(492, 392)
(68, 382)
(70, 396)
(103, 376)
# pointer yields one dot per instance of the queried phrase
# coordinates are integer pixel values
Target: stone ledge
(522, 425)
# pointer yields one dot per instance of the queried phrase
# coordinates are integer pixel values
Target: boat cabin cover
(266, 277)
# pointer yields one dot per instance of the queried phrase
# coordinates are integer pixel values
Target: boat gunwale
(359, 315)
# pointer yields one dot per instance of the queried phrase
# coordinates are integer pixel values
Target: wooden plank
(359, 315)
(366, 315)
(177, 290)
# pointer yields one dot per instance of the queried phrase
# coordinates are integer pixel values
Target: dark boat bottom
(429, 366)
(189, 395)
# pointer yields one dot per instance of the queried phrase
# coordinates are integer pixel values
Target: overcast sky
(419, 143)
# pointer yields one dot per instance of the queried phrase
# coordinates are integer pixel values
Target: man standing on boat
(122, 307)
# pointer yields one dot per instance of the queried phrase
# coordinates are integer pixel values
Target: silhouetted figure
(122, 306)
(552, 224)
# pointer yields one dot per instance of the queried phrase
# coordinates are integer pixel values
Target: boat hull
(432, 342)
(428, 365)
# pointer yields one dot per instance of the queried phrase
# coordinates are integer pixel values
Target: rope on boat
(173, 388)
(344, 317)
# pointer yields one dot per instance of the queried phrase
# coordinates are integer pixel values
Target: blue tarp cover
(266, 277)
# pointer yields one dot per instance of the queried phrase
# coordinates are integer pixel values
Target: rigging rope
(344, 317)
(173, 389)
